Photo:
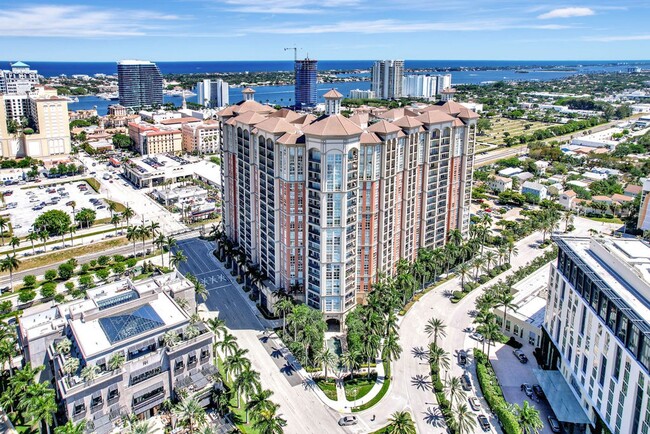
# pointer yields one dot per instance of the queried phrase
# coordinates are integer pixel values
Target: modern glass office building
(305, 88)
(140, 83)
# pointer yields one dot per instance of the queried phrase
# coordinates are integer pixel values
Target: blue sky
(167, 30)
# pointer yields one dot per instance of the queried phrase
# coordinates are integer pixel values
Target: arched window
(239, 133)
(246, 135)
(435, 133)
(447, 132)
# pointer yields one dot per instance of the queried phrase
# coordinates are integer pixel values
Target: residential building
(133, 320)
(524, 319)
(644, 209)
(149, 139)
(203, 137)
(535, 189)
(448, 94)
(510, 171)
(419, 86)
(633, 190)
(19, 80)
(567, 198)
(326, 206)
(499, 183)
(212, 93)
(140, 83)
(596, 340)
(305, 90)
(362, 94)
(555, 189)
(387, 78)
(48, 131)
(523, 176)
(443, 82)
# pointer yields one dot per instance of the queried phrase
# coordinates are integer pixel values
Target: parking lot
(512, 374)
(26, 204)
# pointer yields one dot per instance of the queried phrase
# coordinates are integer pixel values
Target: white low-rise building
(499, 183)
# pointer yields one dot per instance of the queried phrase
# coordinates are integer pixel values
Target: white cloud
(287, 7)
(79, 21)
(397, 26)
(618, 38)
(567, 13)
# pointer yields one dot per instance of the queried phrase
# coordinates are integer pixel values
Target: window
(95, 401)
(179, 365)
(617, 363)
(334, 172)
(583, 319)
(205, 353)
(584, 364)
(507, 325)
(79, 408)
(191, 360)
(139, 378)
(603, 369)
(148, 395)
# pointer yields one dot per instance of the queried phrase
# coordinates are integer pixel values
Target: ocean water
(283, 95)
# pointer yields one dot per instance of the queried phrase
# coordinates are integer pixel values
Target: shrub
(93, 263)
(69, 286)
(26, 295)
(29, 280)
(85, 268)
(66, 270)
(119, 268)
(102, 273)
(131, 262)
(59, 298)
(50, 275)
(483, 279)
(118, 258)
(458, 294)
(48, 290)
(86, 280)
(104, 260)
(6, 306)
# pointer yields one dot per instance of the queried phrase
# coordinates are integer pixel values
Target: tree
(3, 226)
(236, 362)
(228, 344)
(127, 214)
(116, 361)
(63, 346)
(177, 258)
(73, 205)
(89, 372)
(121, 141)
(400, 422)
(218, 328)
(455, 390)
(170, 338)
(85, 216)
(132, 235)
(14, 242)
(464, 419)
(257, 402)
(190, 413)
(33, 236)
(10, 264)
(71, 428)
(327, 358)
(435, 327)
(284, 305)
(159, 242)
(392, 348)
(439, 357)
(71, 365)
(53, 222)
(528, 418)
(41, 407)
(247, 383)
(463, 270)
(7, 351)
(504, 299)
(65, 271)
(268, 422)
(171, 243)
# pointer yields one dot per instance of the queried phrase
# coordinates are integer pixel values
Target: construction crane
(295, 52)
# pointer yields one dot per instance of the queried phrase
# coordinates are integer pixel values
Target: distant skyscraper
(305, 88)
(387, 78)
(212, 93)
(444, 82)
(140, 83)
(419, 86)
(19, 80)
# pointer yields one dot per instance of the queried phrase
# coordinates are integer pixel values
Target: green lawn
(359, 387)
(380, 395)
(607, 220)
(328, 387)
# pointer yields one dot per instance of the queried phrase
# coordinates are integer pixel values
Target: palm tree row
(498, 295)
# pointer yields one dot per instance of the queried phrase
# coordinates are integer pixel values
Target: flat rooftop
(623, 264)
(530, 296)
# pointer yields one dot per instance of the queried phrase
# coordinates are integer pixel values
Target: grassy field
(328, 387)
(615, 220)
(382, 392)
(359, 387)
(515, 127)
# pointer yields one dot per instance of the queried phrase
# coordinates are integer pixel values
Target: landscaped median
(382, 391)
(493, 394)
(470, 286)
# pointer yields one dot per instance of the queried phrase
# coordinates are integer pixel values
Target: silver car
(348, 420)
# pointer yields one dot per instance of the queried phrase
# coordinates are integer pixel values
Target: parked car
(554, 424)
(538, 390)
(484, 422)
(466, 382)
(476, 336)
(462, 358)
(348, 420)
(520, 356)
(525, 387)
(474, 403)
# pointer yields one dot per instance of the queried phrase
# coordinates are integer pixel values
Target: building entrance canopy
(560, 397)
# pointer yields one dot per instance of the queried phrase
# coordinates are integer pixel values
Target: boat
(521, 71)
(109, 96)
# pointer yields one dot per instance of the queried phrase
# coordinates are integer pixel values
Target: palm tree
(171, 243)
(512, 249)
(568, 219)
(89, 372)
(127, 214)
(132, 235)
(71, 365)
(455, 237)
(435, 327)
(228, 344)
(63, 346)
(140, 427)
(464, 419)
(218, 328)
(528, 418)
(478, 263)
(258, 402)
(268, 422)
(400, 422)
(14, 242)
(153, 228)
(392, 348)
(327, 358)
(200, 291)
(44, 236)
(455, 389)
(72, 229)
(190, 413)
(463, 270)
(33, 236)
(7, 350)
(170, 338)
(247, 383)
(71, 428)
(40, 408)
(116, 361)
(504, 299)
(284, 306)
(490, 331)
(236, 363)
(177, 258)
(73, 205)
(143, 232)
(3, 225)
(10, 264)
(159, 242)
(490, 256)
(439, 357)
(115, 221)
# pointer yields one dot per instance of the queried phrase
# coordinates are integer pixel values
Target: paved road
(304, 412)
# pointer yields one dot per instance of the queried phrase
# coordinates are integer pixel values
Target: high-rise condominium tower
(20, 80)
(212, 93)
(305, 88)
(387, 78)
(324, 205)
(140, 83)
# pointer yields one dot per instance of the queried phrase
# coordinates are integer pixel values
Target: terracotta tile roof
(226, 112)
(570, 193)
(633, 189)
(434, 117)
(360, 118)
(275, 126)
(369, 138)
(458, 123)
(407, 122)
(401, 133)
(250, 118)
(383, 127)
(304, 119)
(248, 90)
(622, 198)
(335, 125)
(601, 198)
(285, 113)
(174, 121)
(333, 94)
(451, 107)
(251, 106)
(392, 114)
(231, 121)
(466, 113)
(291, 138)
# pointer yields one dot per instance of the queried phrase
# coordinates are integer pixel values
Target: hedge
(494, 395)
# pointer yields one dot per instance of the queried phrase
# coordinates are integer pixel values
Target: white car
(348, 420)
(476, 336)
